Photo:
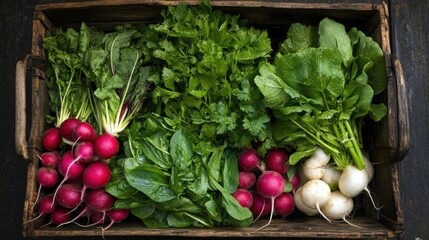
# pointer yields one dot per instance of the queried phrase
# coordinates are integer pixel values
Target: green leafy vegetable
(321, 92)
(68, 88)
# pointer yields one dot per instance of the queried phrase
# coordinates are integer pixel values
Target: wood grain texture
(409, 38)
(410, 43)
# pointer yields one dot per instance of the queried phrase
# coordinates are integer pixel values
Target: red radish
(59, 216)
(67, 127)
(244, 197)
(50, 159)
(116, 216)
(51, 139)
(260, 206)
(73, 166)
(246, 179)
(106, 146)
(84, 132)
(270, 184)
(69, 195)
(97, 200)
(277, 160)
(84, 152)
(45, 206)
(69, 168)
(284, 204)
(47, 178)
(249, 160)
(98, 217)
(96, 175)
(295, 182)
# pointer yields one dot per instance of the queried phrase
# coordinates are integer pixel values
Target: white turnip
(338, 207)
(331, 176)
(353, 181)
(314, 166)
(316, 193)
(301, 206)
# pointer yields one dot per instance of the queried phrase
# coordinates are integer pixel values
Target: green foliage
(320, 91)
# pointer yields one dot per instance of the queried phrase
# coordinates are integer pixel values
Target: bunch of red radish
(73, 171)
(263, 185)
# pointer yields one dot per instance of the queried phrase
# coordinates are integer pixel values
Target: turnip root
(315, 194)
(301, 206)
(314, 166)
(353, 181)
(338, 207)
(331, 176)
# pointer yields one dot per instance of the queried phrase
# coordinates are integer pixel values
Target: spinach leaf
(152, 181)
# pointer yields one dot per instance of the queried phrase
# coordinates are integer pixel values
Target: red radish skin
(51, 139)
(270, 184)
(47, 178)
(97, 200)
(106, 146)
(116, 216)
(68, 167)
(284, 204)
(84, 152)
(294, 181)
(59, 216)
(260, 206)
(96, 175)
(249, 160)
(67, 127)
(244, 197)
(69, 195)
(45, 207)
(84, 132)
(246, 179)
(50, 159)
(277, 160)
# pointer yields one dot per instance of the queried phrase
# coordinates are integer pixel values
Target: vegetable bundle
(320, 86)
(187, 96)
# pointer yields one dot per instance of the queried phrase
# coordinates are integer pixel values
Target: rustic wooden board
(310, 227)
(410, 24)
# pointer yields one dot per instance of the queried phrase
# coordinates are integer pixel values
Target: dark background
(410, 41)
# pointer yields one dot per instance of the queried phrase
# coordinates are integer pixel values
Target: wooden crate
(387, 141)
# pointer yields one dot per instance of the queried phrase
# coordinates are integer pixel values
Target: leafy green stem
(356, 153)
(320, 142)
